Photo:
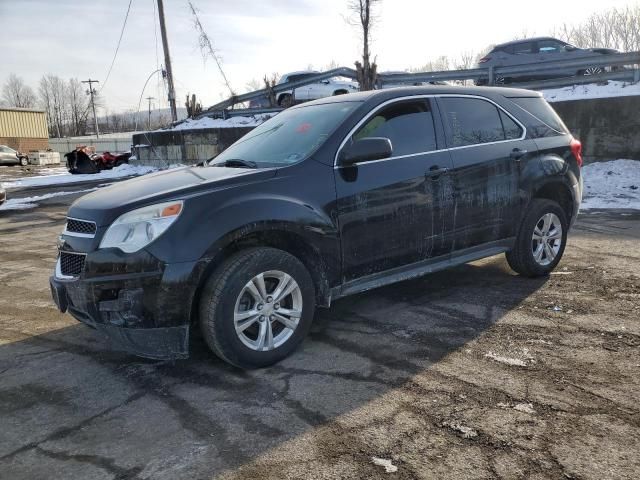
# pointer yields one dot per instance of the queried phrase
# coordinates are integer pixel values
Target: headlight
(138, 228)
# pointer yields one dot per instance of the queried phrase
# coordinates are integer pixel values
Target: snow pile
(591, 90)
(233, 122)
(383, 462)
(614, 184)
(64, 178)
(516, 362)
(30, 202)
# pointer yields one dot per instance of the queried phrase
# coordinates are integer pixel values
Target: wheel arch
(558, 191)
(280, 237)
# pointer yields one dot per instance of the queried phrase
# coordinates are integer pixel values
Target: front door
(396, 211)
(487, 150)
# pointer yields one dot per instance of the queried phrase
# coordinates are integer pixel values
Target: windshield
(290, 136)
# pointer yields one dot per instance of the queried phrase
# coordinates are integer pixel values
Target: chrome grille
(71, 264)
(80, 227)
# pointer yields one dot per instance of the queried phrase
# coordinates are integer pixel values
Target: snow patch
(525, 408)
(467, 432)
(383, 462)
(613, 184)
(506, 360)
(592, 90)
(233, 122)
(30, 202)
(58, 179)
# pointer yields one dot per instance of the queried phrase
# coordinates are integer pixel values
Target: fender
(547, 170)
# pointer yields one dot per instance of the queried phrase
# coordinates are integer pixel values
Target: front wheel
(541, 240)
(24, 161)
(257, 307)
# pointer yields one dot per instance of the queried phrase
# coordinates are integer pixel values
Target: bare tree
(617, 28)
(78, 106)
(439, 64)
(206, 47)
(363, 17)
(253, 85)
(16, 93)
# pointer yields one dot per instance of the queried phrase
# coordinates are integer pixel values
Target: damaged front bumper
(145, 312)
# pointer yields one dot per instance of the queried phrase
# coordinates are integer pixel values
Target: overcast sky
(77, 38)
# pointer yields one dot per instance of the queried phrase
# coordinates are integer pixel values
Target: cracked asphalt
(468, 373)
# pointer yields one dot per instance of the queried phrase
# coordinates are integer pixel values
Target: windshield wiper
(236, 163)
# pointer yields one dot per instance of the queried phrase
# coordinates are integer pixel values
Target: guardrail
(488, 74)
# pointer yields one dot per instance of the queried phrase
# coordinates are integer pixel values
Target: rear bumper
(147, 313)
(577, 199)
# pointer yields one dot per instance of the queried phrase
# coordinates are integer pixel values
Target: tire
(522, 258)
(286, 100)
(24, 161)
(230, 294)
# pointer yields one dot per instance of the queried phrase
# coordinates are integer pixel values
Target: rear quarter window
(548, 122)
(473, 121)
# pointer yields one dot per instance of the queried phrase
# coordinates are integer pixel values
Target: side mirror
(366, 150)
(570, 48)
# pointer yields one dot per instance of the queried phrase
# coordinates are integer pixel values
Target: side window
(512, 130)
(470, 121)
(549, 46)
(522, 48)
(409, 126)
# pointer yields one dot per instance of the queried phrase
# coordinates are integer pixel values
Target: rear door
(396, 211)
(487, 146)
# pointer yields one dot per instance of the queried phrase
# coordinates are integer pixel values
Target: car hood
(105, 205)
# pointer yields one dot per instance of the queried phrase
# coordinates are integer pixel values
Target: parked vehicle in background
(324, 200)
(3, 195)
(84, 160)
(538, 50)
(313, 91)
(9, 156)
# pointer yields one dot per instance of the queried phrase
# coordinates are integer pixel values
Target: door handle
(435, 171)
(517, 153)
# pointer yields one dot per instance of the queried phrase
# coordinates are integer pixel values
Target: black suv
(326, 199)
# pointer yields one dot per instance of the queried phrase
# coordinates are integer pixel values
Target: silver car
(8, 156)
(538, 50)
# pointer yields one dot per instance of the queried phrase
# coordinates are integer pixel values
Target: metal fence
(626, 70)
(107, 144)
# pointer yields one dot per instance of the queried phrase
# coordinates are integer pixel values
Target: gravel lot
(469, 373)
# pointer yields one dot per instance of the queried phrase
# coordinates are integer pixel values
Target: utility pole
(92, 92)
(149, 121)
(167, 63)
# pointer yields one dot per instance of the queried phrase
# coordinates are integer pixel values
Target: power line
(113, 61)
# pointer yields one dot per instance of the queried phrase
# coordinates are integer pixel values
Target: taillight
(484, 59)
(576, 149)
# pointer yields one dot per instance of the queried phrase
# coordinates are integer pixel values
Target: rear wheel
(257, 307)
(592, 71)
(24, 161)
(541, 240)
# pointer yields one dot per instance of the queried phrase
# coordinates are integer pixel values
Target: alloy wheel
(268, 310)
(546, 239)
(593, 71)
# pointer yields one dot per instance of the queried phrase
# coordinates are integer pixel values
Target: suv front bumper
(145, 313)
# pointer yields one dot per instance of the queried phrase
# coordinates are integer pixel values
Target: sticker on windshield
(303, 128)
